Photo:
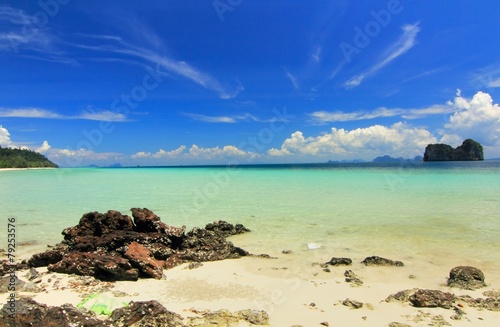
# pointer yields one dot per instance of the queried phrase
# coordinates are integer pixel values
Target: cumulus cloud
(4, 137)
(477, 118)
(399, 139)
(203, 154)
(44, 147)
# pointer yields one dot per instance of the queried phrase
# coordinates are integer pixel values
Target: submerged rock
(432, 299)
(466, 277)
(378, 261)
(112, 246)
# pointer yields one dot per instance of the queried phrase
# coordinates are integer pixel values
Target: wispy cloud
(222, 119)
(116, 45)
(398, 48)
(22, 35)
(104, 115)
(322, 117)
(292, 79)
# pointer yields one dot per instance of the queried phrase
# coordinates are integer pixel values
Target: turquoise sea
(433, 213)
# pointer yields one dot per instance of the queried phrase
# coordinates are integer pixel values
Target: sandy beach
(291, 295)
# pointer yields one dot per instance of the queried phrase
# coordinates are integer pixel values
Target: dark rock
(339, 262)
(432, 299)
(469, 150)
(142, 258)
(6, 283)
(31, 313)
(111, 246)
(378, 261)
(491, 303)
(466, 277)
(149, 313)
(6, 267)
(352, 278)
(100, 265)
(45, 258)
(226, 229)
(401, 296)
(353, 304)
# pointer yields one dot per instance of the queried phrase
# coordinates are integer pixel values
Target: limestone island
(470, 150)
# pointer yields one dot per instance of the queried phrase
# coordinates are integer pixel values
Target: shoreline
(291, 295)
(31, 168)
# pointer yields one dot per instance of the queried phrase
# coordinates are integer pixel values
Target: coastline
(31, 168)
(292, 295)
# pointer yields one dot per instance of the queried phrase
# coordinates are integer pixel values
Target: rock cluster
(112, 246)
(136, 314)
(469, 150)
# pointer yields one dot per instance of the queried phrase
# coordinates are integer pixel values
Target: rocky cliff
(468, 151)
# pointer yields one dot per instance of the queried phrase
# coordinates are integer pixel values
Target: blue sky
(240, 81)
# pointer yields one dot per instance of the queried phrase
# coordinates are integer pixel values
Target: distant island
(389, 159)
(470, 150)
(22, 158)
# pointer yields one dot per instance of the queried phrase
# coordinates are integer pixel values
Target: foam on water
(441, 214)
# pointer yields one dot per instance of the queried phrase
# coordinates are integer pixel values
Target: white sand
(304, 296)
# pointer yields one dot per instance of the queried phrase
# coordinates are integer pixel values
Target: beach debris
(339, 262)
(352, 278)
(112, 246)
(466, 277)
(287, 251)
(325, 323)
(432, 299)
(101, 304)
(313, 246)
(353, 304)
(194, 265)
(379, 261)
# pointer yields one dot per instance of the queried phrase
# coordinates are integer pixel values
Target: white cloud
(44, 147)
(399, 139)
(292, 79)
(80, 157)
(398, 48)
(321, 117)
(104, 115)
(4, 137)
(198, 154)
(222, 119)
(178, 67)
(477, 118)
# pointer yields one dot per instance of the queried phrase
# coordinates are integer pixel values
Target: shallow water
(439, 214)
